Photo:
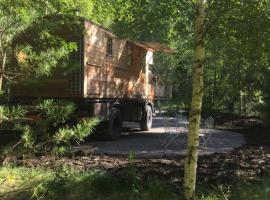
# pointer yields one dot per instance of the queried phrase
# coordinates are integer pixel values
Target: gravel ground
(155, 143)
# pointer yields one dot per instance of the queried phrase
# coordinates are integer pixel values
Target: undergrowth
(65, 183)
(48, 127)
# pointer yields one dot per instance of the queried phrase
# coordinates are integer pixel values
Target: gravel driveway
(154, 143)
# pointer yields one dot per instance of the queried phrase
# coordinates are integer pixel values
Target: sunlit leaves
(237, 36)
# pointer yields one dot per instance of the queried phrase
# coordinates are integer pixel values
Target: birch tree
(196, 104)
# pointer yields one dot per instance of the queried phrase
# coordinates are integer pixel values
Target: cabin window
(129, 55)
(109, 46)
(129, 60)
(76, 56)
(74, 70)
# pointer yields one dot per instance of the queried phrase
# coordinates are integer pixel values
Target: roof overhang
(153, 46)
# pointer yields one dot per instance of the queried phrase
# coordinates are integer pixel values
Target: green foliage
(249, 191)
(15, 16)
(31, 45)
(130, 175)
(12, 113)
(38, 64)
(237, 48)
(67, 183)
(236, 54)
(43, 47)
(242, 191)
(76, 133)
(55, 111)
(47, 127)
(237, 42)
(27, 136)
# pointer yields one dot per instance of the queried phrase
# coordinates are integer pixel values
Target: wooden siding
(113, 76)
(120, 75)
(58, 85)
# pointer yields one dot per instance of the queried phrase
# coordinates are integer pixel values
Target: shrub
(48, 127)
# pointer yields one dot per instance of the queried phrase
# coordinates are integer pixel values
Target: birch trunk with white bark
(196, 104)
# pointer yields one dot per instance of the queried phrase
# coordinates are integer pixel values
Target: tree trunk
(2, 70)
(196, 104)
(240, 109)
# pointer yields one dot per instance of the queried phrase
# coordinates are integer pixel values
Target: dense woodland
(236, 65)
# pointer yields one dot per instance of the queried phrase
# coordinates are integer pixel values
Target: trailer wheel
(146, 122)
(115, 124)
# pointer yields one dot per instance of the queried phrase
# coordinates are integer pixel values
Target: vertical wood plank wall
(103, 76)
(56, 86)
(111, 76)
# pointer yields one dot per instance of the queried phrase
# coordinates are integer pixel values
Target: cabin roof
(147, 45)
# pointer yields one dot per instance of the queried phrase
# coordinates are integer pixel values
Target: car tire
(114, 124)
(146, 121)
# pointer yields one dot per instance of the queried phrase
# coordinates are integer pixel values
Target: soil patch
(244, 164)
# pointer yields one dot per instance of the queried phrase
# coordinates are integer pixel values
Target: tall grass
(64, 183)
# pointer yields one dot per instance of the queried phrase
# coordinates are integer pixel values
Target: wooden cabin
(112, 73)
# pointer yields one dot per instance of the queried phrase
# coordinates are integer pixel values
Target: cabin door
(93, 76)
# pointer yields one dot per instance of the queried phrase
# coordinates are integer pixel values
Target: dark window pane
(129, 60)
(129, 55)
(109, 46)
(74, 70)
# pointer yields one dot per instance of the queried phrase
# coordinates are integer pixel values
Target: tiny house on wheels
(112, 79)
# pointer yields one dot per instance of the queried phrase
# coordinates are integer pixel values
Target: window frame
(109, 49)
(129, 55)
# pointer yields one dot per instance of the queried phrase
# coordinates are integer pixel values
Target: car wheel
(146, 122)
